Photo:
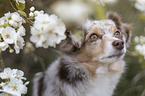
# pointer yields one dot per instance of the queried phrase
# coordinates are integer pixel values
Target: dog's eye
(117, 34)
(93, 36)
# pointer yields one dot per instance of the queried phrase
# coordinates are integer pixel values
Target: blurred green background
(132, 82)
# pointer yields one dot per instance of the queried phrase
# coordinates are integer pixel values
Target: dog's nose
(118, 44)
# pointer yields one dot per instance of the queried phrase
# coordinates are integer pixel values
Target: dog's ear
(73, 42)
(116, 18)
(76, 37)
(127, 29)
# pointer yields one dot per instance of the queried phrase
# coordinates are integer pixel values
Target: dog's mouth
(116, 55)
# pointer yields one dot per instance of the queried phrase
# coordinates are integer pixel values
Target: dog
(91, 65)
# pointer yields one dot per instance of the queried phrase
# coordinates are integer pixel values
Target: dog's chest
(104, 84)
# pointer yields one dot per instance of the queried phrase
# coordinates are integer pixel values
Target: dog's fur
(88, 66)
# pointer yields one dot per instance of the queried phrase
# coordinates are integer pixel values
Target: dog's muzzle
(118, 44)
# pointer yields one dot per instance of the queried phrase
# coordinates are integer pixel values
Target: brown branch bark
(1, 62)
(27, 20)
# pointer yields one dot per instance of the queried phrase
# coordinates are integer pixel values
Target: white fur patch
(103, 24)
(102, 70)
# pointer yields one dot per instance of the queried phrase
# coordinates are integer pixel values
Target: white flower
(8, 73)
(37, 37)
(47, 31)
(12, 73)
(1, 29)
(17, 18)
(73, 12)
(15, 87)
(140, 49)
(136, 39)
(140, 5)
(2, 84)
(32, 8)
(142, 39)
(42, 18)
(7, 15)
(11, 30)
(13, 19)
(2, 21)
(3, 46)
(19, 43)
(21, 31)
(37, 13)
(110, 1)
(9, 35)
(42, 12)
(13, 23)
(26, 83)
(13, 84)
(20, 1)
(4, 94)
(31, 14)
(20, 74)
(5, 19)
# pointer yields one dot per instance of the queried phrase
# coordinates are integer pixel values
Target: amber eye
(117, 34)
(93, 36)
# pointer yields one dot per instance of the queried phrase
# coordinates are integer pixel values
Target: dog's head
(103, 41)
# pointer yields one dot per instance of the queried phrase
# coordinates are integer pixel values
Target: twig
(1, 62)
(12, 5)
(27, 20)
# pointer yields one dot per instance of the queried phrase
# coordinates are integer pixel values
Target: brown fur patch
(91, 68)
(85, 57)
(97, 31)
(128, 29)
(116, 18)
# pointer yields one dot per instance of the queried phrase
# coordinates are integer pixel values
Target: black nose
(118, 44)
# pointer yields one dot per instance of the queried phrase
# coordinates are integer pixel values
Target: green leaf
(22, 13)
(142, 17)
(5, 25)
(20, 6)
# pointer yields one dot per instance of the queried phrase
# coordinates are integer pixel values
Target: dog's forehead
(105, 25)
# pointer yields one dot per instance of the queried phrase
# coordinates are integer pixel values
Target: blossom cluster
(110, 1)
(11, 32)
(20, 1)
(13, 82)
(105, 1)
(140, 5)
(47, 30)
(140, 45)
(73, 12)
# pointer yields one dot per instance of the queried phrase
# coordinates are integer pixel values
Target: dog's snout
(118, 44)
